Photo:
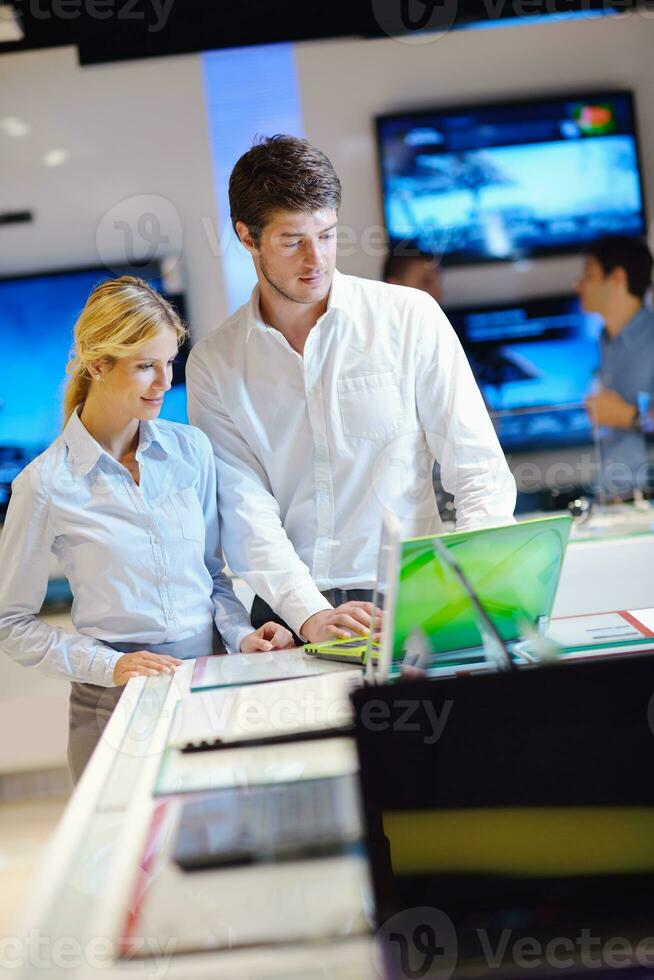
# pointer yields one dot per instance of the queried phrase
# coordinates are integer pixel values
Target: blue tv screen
(503, 182)
(534, 363)
(37, 316)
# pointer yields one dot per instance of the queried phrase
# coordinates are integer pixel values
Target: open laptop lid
(503, 807)
(379, 652)
(514, 569)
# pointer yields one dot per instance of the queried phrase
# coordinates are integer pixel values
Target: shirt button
(164, 579)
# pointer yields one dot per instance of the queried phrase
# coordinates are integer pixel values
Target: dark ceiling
(115, 30)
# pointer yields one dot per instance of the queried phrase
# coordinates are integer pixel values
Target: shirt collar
(337, 300)
(85, 451)
(150, 433)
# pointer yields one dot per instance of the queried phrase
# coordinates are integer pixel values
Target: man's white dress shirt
(142, 559)
(311, 449)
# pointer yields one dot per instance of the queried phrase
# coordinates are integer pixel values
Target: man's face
(594, 287)
(296, 254)
(423, 274)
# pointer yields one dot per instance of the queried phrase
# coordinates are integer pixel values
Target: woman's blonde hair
(119, 316)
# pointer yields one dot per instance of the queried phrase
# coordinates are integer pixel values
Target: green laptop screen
(514, 569)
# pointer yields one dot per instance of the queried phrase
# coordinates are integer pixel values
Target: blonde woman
(128, 505)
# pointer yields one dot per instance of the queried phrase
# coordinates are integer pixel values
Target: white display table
(83, 889)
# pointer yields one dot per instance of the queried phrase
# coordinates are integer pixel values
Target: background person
(616, 277)
(409, 266)
(128, 505)
(327, 398)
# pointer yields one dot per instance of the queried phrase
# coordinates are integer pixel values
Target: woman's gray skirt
(91, 705)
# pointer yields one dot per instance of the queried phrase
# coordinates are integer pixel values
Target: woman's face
(135, 385)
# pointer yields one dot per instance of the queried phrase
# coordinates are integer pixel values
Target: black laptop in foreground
(510, 821)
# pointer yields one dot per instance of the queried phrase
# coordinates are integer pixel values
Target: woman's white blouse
(143, 560)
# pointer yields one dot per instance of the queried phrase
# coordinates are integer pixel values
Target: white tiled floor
(24, 831)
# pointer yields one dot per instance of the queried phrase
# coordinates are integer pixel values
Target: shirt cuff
(101, 666)
(298, 606)
(233, 635)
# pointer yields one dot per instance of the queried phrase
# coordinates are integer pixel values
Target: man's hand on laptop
(349, 619)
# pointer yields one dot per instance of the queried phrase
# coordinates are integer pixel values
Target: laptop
(268, 823)
(510, 820)
(432, 619)
(513, 572)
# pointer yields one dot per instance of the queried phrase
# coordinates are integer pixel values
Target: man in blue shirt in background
(616, 277)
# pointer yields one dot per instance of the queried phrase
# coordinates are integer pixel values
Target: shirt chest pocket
(371, 405)
(188, 513)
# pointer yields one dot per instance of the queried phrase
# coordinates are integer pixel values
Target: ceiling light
(55, 158)
(13, 126)
(10, 26)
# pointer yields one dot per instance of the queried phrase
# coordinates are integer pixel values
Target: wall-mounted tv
(37, 316)
(534, 362)
(512, 180)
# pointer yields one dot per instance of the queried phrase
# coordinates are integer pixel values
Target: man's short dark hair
(631, 254)
(400, 257)
(281, 173)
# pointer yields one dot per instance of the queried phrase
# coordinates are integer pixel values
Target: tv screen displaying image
(508, 181)
(535, 363)
(37, 316)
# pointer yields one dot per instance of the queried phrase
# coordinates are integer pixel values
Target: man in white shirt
(327, 399)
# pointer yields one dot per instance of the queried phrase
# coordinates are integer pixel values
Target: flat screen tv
(37, 316)
(512, 180)
(534, 362)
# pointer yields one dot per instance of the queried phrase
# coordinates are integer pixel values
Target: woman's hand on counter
(270, 636)
(142, 663)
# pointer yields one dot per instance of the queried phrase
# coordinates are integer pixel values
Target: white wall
(139, 129)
